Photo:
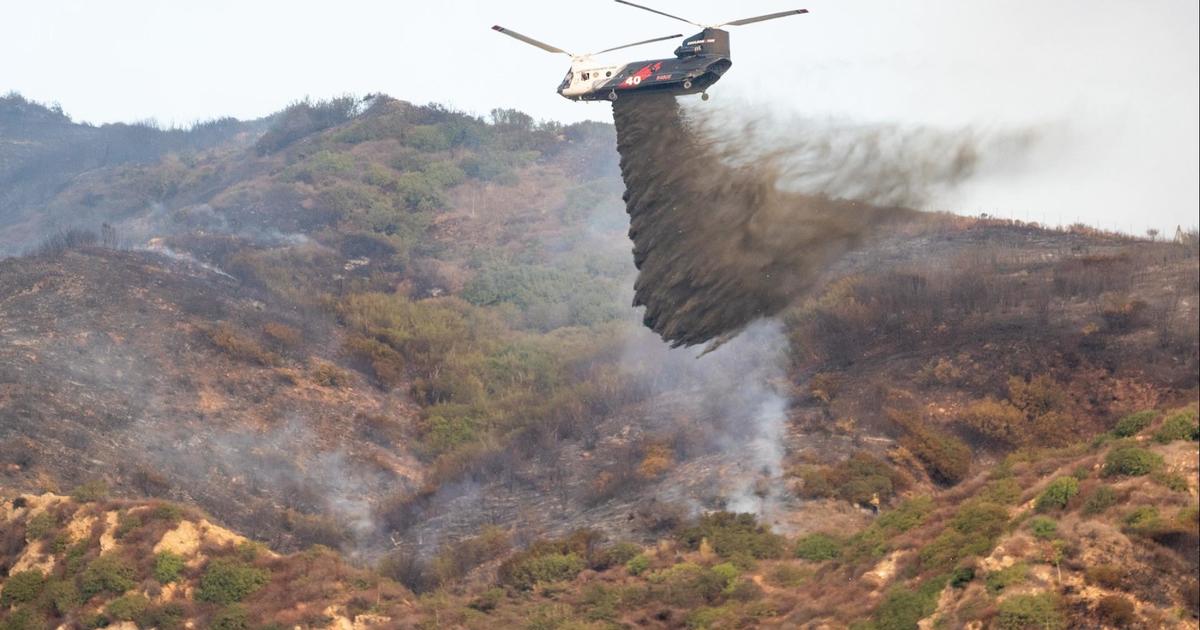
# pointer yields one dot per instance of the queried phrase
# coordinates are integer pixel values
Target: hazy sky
(1114, 85)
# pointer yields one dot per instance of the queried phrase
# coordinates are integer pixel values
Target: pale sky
(1115, 84)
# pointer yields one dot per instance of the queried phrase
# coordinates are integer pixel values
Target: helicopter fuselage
(698, 63)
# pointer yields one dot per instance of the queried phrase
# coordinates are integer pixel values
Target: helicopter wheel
(687, 85)
(704, 96)
(612, 96)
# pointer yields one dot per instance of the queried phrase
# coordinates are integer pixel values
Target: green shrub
(620, 553)
(167, 567)
(40, 526)
(23, 618)
(1172, 481)
(1179, 426)
(997, 581)
(22, 587)
(1133, 424)
(1022, 612)
(972, 532)
(688, 585)
(227, 580)
(165, 617)
(231, 618)
(108, 573)
(872, 542)
(818, 547)
(1057, 494)
(962, 576)
(549, 567)
(1131, 461)
(1143, 520)
(904, 608)
(128, 607)
(126, 523)
(62, 596)
(1043, 527)
(733, 536)
(90, 492)
(1102, 498)
(638, 564)
(788, 575)
(1005, 491)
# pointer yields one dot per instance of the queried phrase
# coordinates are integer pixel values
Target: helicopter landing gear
(612, 96)
(704, 96)
(687, 84)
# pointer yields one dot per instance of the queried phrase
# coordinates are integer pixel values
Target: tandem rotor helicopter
(699, 62)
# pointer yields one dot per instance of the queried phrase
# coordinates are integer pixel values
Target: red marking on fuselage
(636, 78)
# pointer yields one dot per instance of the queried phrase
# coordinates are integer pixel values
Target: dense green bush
(861, 479)
(108, 573)
(62, 596)
(904, 607)
(1043, 527)
(167, 566)
(1143, 520)
(873, 541)
(962, 576)
(549, 567)
(227, 580)
(1131, 461)
(22, 587)
(638, 564)
(584, 299)
(1022, 612)
(733, 536)
(40, 526)
(23, 618)
(818, 547)
(689, 585)
(973, 531)
(1133, 423)
(90, 491)
(128, 607)
(997, 581)
(1057, 494)
(1179, 426)
(232, 617)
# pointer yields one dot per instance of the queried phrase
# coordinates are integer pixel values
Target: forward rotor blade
(648, 41)
(761, 18)
(673, 17)
(531, 41)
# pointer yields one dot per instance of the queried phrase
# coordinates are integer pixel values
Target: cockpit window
(585, 76)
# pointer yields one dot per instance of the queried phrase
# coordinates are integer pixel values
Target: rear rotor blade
(761, 18)
(531, 41)
(648, 41)
(673, 17)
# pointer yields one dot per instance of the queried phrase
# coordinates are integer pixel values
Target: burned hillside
(404, 332)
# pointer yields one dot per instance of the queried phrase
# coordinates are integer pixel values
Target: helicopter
(699, 62)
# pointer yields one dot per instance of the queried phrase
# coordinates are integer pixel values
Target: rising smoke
(724, 235)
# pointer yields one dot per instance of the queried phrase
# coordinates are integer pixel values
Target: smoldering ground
(733, 217)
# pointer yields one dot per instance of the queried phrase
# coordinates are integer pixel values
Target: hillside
(402, 333)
